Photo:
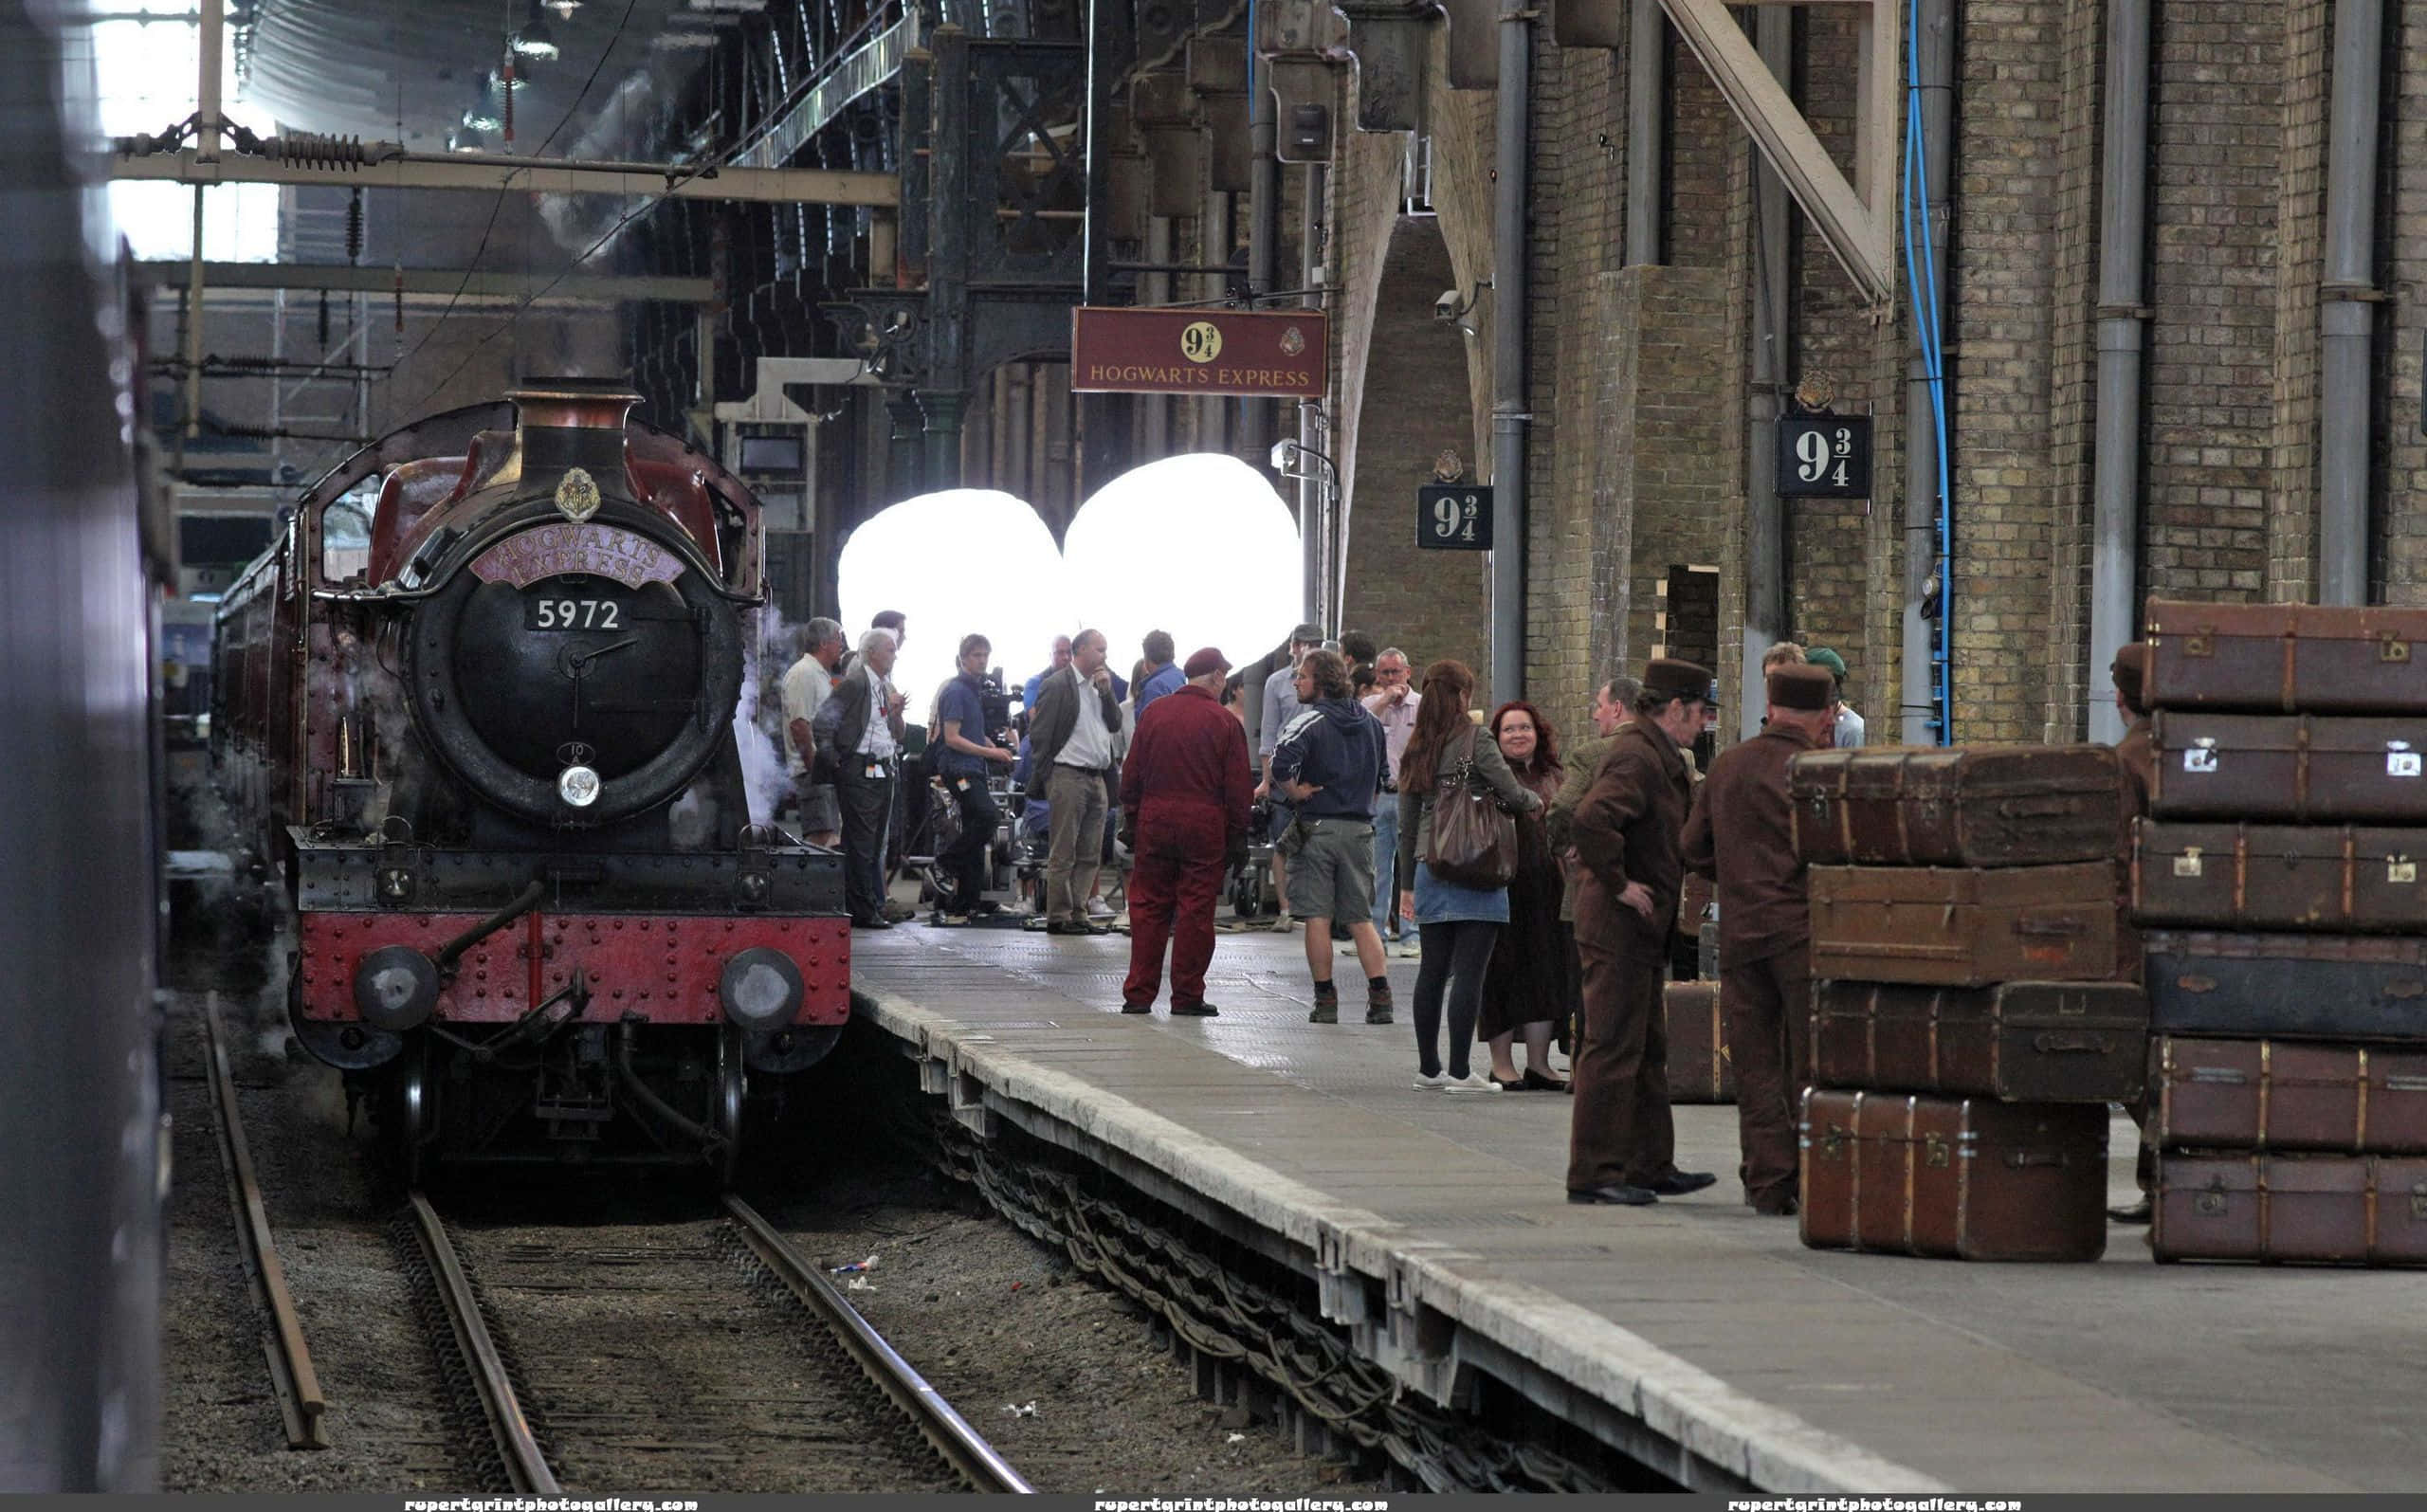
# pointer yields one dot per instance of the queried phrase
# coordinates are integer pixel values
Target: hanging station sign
(1824, 456)
(1248, 354)
(1454, 518)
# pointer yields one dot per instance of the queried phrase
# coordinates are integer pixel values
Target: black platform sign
(1824, 456)
(1454, 518)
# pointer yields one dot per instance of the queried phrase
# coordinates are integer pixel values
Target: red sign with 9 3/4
(1257, 355)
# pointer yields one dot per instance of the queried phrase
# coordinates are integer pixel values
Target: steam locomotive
(478, 701)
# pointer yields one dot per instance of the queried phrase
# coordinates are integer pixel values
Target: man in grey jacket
(1072, 767)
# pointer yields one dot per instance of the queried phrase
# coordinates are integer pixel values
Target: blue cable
(1920, 280)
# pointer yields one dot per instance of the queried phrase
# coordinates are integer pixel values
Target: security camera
(1281, 453)
(1448, 306)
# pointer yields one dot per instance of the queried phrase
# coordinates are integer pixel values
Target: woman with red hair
(1529, 981)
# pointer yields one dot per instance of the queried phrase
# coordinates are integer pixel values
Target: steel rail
(959, 1444)
(298, 1385)
(525, 1465)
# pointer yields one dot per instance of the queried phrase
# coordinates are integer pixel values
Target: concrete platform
(1705, 1338)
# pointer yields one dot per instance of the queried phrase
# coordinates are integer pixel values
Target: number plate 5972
(540, 613)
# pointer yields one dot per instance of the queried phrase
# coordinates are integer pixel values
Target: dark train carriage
(480, 698)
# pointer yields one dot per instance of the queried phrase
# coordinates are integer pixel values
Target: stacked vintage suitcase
(1968, 1023)
(2279, 881)
(1700, 1069)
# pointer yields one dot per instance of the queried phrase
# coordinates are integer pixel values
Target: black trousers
(969, 861)
(867, 815)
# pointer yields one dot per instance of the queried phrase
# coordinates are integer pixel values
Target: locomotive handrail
(528, 899)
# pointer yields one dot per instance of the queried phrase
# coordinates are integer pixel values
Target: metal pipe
(1764, 512)
(2347, 303)
(1154, 409)
(1312, 524)
(452, 952)
(2115, 473)
(1934, 46)
(1509, 418)
(1214, 240)
(1647, 127)
(1264, 229)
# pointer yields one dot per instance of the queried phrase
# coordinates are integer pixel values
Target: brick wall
(2216, 130)
(2300, 212)
(1415, 404)
(2401, 468)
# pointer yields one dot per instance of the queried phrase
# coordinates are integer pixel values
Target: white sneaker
(1469, 1083)
(1098, 908)
(1408, 950)
(1430, 1083)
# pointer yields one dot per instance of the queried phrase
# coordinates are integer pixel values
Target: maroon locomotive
(478, 701)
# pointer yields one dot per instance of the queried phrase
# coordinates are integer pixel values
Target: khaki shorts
(1332, 875)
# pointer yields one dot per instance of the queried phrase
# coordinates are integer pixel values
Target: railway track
(639, 1361)
(297, 1384)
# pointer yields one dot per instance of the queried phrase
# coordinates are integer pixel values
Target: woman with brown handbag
(1526, 989)
(1459, 843)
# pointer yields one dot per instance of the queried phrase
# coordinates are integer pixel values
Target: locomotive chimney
(569, 425)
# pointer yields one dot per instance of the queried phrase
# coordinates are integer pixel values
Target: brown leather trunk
(2318, 987)
(2280, 658)
(2281, 1095)
(1955, 927)
(2289, 768)
(2017, 1042)
(2000, 806)
(1699, 1070)
(1954, 1177)
(2350, 1210)
(2227, 876)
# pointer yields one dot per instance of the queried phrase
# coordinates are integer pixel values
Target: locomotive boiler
(479, 700)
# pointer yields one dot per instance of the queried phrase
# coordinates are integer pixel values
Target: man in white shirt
(1394, 702)
(862, 719)
(1846, 722)
(807, 685)
(1072, 753)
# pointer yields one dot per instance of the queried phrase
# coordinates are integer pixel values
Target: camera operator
(968, 714)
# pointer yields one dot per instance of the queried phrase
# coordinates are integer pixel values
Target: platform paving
(1794, 1369)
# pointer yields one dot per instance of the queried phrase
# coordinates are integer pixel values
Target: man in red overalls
(1186, 785)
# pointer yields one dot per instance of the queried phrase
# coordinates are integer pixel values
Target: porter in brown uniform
(1622, 1145)
(2139, 754)
(1741, 833)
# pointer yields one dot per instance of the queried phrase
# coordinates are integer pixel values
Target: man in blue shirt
(1330, 759)
(965, 755)
(1163, 676)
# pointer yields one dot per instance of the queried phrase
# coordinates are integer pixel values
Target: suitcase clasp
(2401, 761)
(2419, 1202)
(2211, 1203)
(2187, 864)
(1833, 1143)
(2050, 1043)
(2199, 642)
(2400, 868)
(2202, 755)
(2392, 647)
(1934, 1150)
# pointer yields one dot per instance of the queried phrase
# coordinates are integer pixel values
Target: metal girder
(786, 186)
(588, 288)
(1858, 226)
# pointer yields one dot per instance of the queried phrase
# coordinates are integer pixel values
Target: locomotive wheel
(732, 1097)
(417, 1112)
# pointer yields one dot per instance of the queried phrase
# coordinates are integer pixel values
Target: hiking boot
(1377, 1005)
(1327, 1011)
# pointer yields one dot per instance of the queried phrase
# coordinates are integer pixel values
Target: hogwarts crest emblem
(577, 495)
(1292, 341)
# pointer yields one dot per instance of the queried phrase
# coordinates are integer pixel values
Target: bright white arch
(960, 561)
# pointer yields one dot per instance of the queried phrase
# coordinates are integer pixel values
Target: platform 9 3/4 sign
(1454, 518)
(1824, 456)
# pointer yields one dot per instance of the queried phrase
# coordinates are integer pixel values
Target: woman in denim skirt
(1456, 925)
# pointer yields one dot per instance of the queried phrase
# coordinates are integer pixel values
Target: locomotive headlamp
(394, 988)
(578, 786)
(760, 989)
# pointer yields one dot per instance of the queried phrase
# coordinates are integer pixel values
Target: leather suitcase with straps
(2346, 1210)
(2287, 658)
(1984, 805)
(1954, 1177)
(1947, 926)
